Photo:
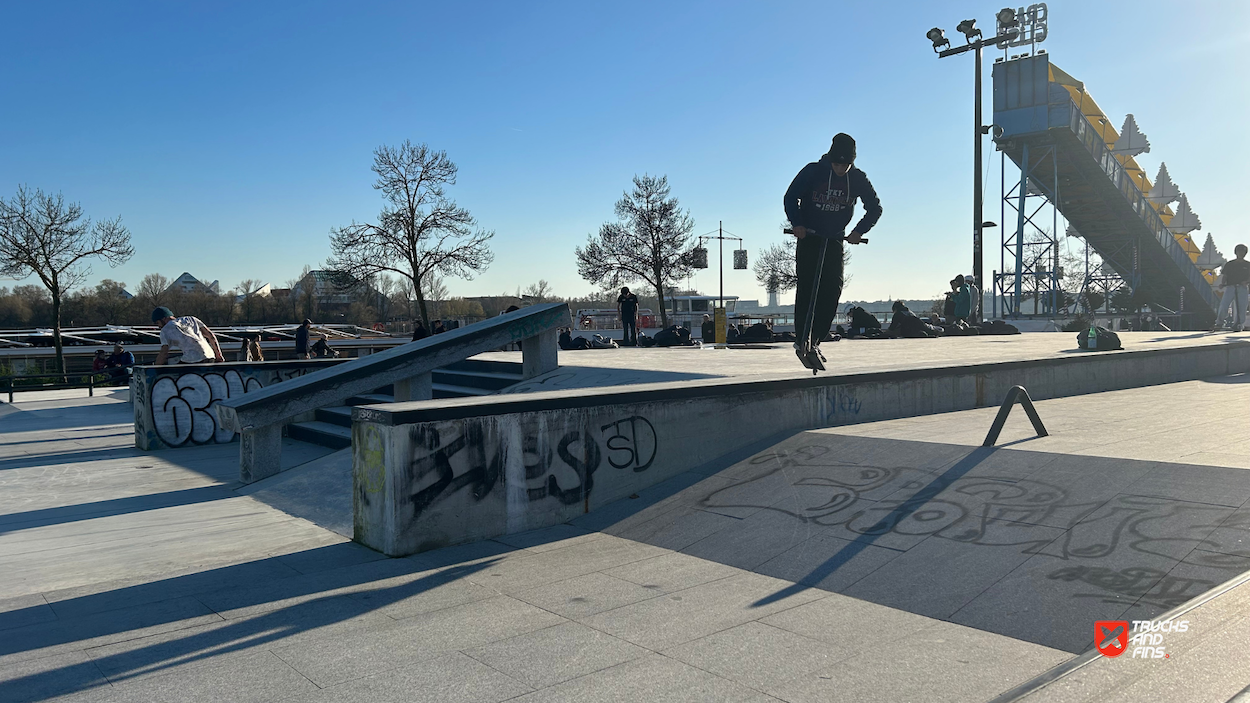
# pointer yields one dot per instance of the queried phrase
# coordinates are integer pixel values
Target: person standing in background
(301, 339)
(627, 308)
(1235, 282)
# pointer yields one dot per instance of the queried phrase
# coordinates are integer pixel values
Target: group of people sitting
(760, 332)
(906, 324)
(117, 364)
(672, 336)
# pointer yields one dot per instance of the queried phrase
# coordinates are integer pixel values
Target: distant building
(186, 283)
(331, 288)
(264, 291)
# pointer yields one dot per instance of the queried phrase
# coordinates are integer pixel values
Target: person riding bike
(822, 198)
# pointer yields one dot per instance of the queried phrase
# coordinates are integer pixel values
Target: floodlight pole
(977, 132)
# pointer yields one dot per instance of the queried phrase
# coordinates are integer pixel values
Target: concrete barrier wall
(428, 475)
(173, 404)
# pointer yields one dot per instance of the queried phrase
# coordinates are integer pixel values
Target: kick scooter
(807, 352)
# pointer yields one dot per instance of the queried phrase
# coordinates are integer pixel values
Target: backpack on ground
(644, 340)
(1098, 338)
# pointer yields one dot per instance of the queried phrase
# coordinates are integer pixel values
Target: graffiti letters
(559, 466)
(841, 403)
(182, 406)
(631, 444)
(819, 488)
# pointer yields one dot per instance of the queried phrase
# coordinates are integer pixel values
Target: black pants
(629, 331)
(830, 292)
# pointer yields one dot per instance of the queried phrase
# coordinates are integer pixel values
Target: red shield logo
(1111, 637)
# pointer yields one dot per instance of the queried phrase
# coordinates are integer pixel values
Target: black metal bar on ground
(1017, 394)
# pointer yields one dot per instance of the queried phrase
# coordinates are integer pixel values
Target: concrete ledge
(430, 475)
(1081, 372)
(174, 404)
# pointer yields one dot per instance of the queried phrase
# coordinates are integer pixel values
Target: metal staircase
(1067, 152)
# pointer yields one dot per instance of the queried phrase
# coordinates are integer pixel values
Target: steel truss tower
(1028, 279)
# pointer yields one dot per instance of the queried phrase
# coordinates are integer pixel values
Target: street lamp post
(1007, 19)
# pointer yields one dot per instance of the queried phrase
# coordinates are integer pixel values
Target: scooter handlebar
(790, 230)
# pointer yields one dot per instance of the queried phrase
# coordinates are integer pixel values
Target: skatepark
(888, 559)
(483, 515)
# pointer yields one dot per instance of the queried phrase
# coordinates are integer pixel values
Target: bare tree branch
(420, 232)
(42, 235)
(775, 267)
(650, 241)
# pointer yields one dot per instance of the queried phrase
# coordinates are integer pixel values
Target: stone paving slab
(777, 598)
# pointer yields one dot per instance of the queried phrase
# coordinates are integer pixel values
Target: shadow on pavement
(321, 599)
(12, 522)
(1032, 545)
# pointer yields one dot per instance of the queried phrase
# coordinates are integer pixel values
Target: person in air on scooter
(821, 199)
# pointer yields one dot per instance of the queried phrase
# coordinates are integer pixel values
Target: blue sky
(231, 137)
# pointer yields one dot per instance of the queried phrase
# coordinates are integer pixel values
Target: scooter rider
(822, 198)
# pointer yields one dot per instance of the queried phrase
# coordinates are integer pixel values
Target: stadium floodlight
(968, 28)
(938, 37)
(1007, 18)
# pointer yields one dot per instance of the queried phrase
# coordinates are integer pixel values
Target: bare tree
(246, 291)
(420, 231)
(42, 235)
(539, 291)
(649, 242)
(154, 290)
(775, 267)
(435, 294)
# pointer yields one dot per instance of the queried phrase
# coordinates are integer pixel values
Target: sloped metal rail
(1016, 394)
(259, 416)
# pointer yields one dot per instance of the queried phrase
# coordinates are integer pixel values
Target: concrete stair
(471, 377)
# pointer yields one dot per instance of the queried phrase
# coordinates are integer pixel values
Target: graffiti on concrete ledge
(559, 466)
(182, 406)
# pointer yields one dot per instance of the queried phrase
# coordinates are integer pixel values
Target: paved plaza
(891, 561)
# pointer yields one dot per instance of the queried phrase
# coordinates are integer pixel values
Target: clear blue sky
(231, 137)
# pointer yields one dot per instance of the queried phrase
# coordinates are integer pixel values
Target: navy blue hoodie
(820, 199)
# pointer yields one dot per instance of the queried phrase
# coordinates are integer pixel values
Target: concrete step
(322, 433)
(370, 399)
(486, 366)
(465, 379)
(340, 415)
(487, 380)
(447, 390)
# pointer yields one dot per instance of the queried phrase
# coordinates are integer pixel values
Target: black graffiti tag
(481, 475)
(633, 443)
(483, 469)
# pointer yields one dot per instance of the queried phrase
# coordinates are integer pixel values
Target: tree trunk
(56, 332)
(425, 314)
(659, 289)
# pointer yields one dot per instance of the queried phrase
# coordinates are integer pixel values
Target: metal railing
(259, 416)
(9, 385)
(1097, 148)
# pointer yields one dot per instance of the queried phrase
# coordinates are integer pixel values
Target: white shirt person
(190, 335)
